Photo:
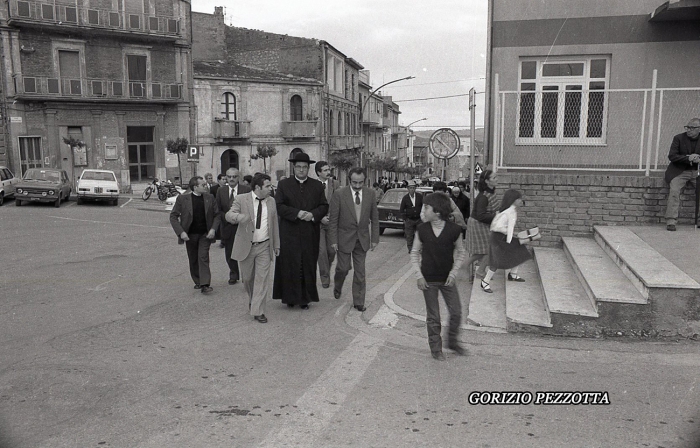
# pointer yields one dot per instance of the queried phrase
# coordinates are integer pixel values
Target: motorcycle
(165, 189)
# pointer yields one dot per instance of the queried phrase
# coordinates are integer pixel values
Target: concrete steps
(614, 283)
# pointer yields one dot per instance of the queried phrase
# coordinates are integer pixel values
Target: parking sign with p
(193, 154)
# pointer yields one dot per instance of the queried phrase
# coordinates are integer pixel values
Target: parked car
(43, 185)
(98, 185)
(388, 207)
(8, 183)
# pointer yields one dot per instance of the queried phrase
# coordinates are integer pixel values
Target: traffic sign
(193, 154)
(444, 143)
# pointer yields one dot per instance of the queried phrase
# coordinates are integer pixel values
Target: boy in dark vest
(438, 253)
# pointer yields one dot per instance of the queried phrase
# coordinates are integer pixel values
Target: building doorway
(30, 153)
(229, 159)
(142, 156)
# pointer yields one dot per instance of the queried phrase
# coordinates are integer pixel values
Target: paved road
(104, 343)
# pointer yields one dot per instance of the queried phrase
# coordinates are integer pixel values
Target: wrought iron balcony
(29, 12)
(92, 88)
(292, 130)
(230, 129)
(341, 142)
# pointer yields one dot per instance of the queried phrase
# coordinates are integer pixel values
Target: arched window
(228, 106)
(348, 130)
(340, 123)
(331, 124)
(295, 107)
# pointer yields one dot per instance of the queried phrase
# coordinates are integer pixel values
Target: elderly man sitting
(684, 156)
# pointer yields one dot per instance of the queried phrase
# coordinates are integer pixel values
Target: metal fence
(627, 130)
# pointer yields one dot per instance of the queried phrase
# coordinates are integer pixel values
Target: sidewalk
(682, 248)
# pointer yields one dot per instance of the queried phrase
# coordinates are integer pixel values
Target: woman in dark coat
(301, 204)
(478, 226)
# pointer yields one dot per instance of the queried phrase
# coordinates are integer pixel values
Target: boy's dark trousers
(432, 308)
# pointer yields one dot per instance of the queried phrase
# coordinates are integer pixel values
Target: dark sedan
(43, 185)
(389, 216)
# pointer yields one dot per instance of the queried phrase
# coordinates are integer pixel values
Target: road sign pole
(472, 142)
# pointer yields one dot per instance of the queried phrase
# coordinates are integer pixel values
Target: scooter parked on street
(165, 189)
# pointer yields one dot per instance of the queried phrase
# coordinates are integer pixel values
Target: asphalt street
(104, 342)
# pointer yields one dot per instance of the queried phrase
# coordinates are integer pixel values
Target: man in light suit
(192, 219)
(353, 212)
(224, 200)
(326, 254)
(257, 242)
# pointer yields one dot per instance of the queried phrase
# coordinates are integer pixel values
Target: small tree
(344, 160)
(178, 146)
(264, 152)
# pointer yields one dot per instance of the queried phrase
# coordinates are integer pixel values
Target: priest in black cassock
(301, 204)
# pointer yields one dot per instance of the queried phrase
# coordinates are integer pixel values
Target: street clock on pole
(444, 143)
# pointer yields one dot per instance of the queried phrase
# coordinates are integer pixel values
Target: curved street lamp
(362, 111)
(414, 122)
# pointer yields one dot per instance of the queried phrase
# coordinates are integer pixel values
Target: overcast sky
(440, 42)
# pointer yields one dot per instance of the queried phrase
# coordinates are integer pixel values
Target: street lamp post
(364, 105)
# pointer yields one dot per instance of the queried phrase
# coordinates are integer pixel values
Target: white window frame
(561, 82)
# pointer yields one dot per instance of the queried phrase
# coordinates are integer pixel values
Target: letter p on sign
(193, 154)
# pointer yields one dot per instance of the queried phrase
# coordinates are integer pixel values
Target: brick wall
(208, 37)
(570, 205)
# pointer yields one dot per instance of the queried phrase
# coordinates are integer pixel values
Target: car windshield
(392, 197)
(98, 175)
(37, 174)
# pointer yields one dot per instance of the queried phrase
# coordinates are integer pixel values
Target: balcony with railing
(341, 142)
(71, 15)
(373, 118)
(230, 129)
(292, 130)
(93, 88)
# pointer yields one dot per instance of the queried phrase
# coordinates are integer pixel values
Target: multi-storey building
(258, 88)
(115, 76)
(372, 116)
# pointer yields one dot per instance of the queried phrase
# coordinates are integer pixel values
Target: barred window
(563, 100)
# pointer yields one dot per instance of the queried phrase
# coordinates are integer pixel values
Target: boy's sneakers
(461, 351)
(438, 356)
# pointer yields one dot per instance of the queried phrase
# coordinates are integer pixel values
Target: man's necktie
(258, 219)
(357, 198)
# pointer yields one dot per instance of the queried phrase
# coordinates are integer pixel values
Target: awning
(676, 10)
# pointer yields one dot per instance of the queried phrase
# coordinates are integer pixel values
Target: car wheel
(58, 201)
(18, 202)
(381, 230)
(67, 197)
(2, 198)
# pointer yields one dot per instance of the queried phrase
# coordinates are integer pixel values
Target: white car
(98, 185)
(7, 183)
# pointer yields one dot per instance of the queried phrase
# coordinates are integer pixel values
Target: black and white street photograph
(371, 224)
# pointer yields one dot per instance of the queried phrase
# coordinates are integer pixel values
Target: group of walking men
(273, 245)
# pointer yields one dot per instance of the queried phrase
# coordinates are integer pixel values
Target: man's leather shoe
(336, 294)
(326, 285)
(290, 305)
(439, 356)
(206, 289)
(671, 227)
(360, 308)
(232, 282)
(197, 286)
(261, 318)
(304, 307)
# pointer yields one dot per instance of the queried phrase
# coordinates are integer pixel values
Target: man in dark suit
(192, 219)
(684, 156)
(326, 254)
(353, 212)
(224, 200)
(411, 205)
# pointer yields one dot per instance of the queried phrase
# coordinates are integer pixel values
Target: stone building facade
(116, 77)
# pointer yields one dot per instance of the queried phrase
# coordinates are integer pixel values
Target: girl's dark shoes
(486, 287)
(515, 278)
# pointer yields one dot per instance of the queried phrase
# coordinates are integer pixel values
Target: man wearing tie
(353, 211)
(224, 200)
(326, 254)
(257, 242)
